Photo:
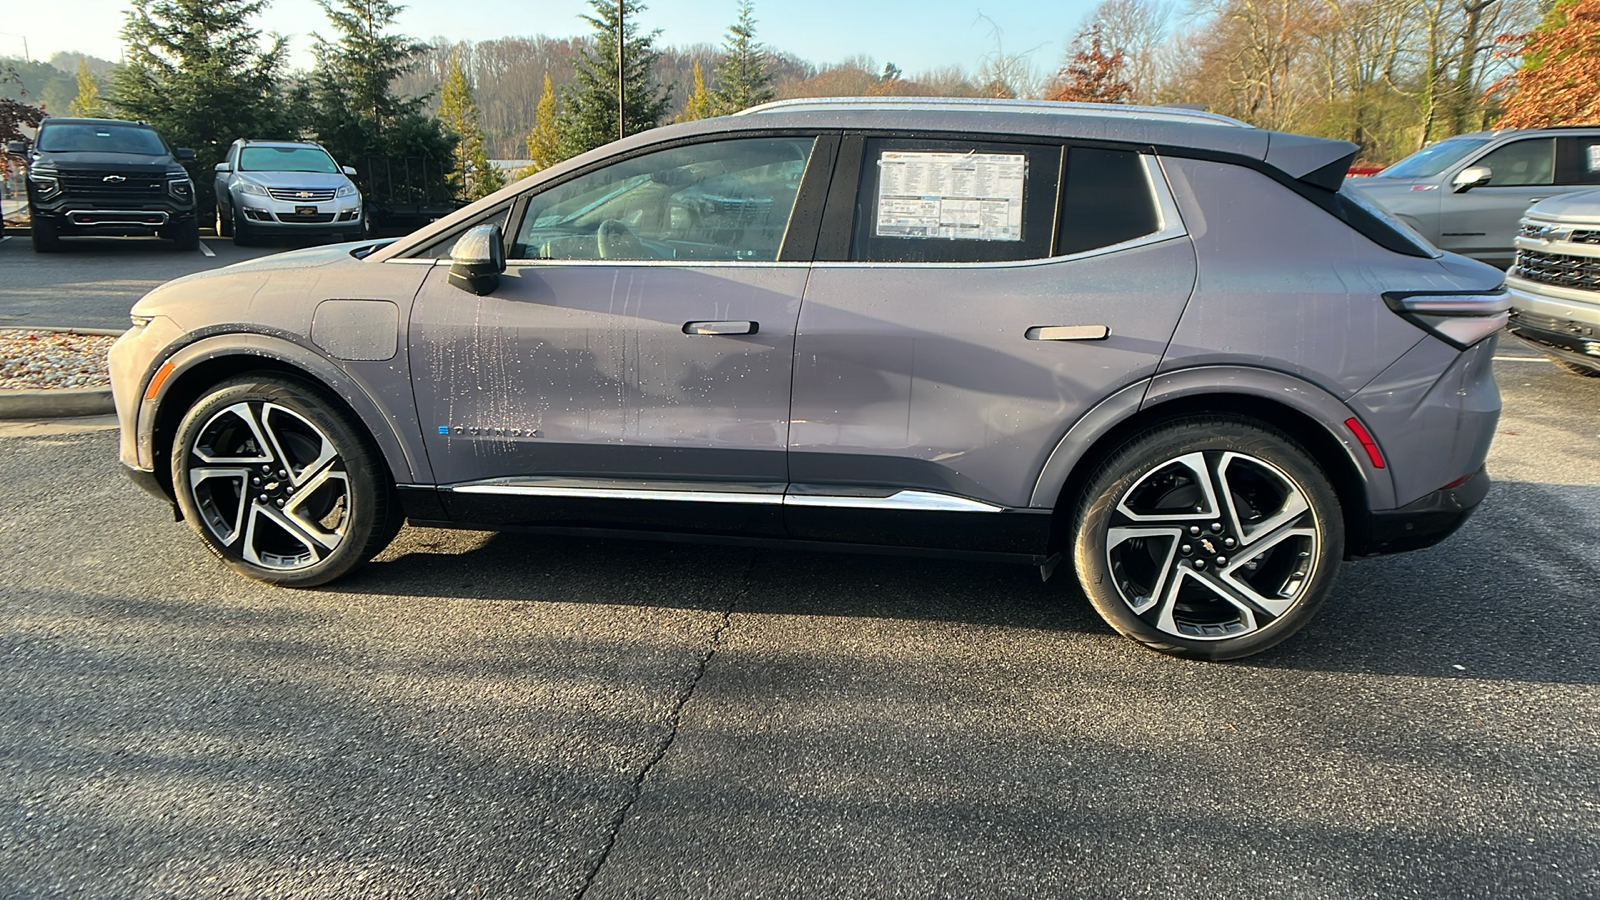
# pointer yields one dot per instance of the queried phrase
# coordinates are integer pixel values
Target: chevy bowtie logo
(114, 179)
(304, 195)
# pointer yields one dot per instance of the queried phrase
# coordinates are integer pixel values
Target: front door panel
(585, 370)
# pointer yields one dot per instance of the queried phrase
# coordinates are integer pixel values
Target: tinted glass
(955, 201)
(286, 159)
(729, 200)
(101, 139)
(1107, 200)
(1430, 161)
(1518, 163)
(1579, 161)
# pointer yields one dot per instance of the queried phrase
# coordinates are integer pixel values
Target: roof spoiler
(1315, 161)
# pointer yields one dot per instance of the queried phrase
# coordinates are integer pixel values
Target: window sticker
(965, 196)
(1594, 157)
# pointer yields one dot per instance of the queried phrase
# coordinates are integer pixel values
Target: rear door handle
(721, 327)
(1068, 333)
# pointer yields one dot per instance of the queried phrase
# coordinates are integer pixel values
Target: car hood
(296, 179)
(1578, 208)
(101, 162)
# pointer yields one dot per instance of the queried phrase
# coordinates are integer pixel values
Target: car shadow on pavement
(1509, 597)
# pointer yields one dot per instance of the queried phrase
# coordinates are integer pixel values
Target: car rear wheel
(280, 483)
(1208, 537)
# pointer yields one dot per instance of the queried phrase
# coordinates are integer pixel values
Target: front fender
(393, 426)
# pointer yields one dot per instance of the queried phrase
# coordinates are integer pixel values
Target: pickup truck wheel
(45, 237)
(186, 235)
(1208, 537)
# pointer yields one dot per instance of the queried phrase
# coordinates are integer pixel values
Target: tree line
(1390, 75)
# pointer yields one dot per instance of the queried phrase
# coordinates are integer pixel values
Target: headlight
(250, 187)
(348, 190)
(182, 188)
(45, 183)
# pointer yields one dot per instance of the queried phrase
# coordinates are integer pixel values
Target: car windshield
(99, 138)
(286, 159)
(1430, 161)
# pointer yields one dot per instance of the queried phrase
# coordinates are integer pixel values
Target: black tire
(1208, 537)
(224, 222)
(241, 232)
(46, 239)
(1578, 368)
(186, 235)
(281, 483)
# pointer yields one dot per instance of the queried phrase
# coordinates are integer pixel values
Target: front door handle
(721, 327)
(1068, 333)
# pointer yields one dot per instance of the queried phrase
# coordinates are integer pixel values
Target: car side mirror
(348, 170)
(17, 148)
(224, 167)
(477, 260)
(183, 153)
(1471, 177)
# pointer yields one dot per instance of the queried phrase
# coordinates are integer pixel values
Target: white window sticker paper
(966, 196)
(1594, 157)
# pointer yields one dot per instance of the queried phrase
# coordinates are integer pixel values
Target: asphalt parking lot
(498, 716)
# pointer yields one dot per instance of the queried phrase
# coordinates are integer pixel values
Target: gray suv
(1158, 346)
(1467, 193)
(286, 189)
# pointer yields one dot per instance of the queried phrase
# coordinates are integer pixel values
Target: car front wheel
(280, 483)
(1208, 537)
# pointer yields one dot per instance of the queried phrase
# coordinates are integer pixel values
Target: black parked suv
(107, 176)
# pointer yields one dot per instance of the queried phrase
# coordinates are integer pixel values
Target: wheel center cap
(1211, 548)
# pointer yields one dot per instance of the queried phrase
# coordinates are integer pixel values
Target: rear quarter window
(1108, 199)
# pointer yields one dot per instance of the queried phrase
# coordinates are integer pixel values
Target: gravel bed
(51, 360)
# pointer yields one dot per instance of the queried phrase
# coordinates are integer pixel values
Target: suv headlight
(44, 183)
(250, 187)
(348, 190)
(181, 187)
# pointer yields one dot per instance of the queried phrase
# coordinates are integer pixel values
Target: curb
(62, 403)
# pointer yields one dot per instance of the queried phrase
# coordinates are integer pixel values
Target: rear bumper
(1425, 521)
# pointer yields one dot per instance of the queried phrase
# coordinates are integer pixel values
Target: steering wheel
(617, 241)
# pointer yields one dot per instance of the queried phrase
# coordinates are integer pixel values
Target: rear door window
(1578, 160)
(955, 201)
(1108, 199)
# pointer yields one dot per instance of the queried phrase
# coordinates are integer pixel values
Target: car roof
(1317, 161)
(63, 120)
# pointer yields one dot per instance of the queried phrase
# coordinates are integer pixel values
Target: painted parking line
(4, 238)
(1520, 359)
(206, 250)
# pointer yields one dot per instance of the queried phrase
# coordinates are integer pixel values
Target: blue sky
(914, 34)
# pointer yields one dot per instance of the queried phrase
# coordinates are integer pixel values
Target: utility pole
(622, 76)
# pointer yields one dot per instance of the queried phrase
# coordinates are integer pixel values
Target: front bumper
(266, 215)
(1425, 521)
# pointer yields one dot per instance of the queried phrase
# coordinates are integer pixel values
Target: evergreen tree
(473, 176)
(87, 104)
(742, 77)
(700, 105)
(589, 109)
(544, 140)
(356, 114)
(200, 74)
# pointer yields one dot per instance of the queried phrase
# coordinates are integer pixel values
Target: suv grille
(131, 187)
(1540, 232)
(1559, 269)
(301, 195)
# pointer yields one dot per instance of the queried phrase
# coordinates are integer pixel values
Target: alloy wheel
(1212, 545)
(270, 487)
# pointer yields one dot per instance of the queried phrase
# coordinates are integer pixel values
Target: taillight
(1461, 320)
